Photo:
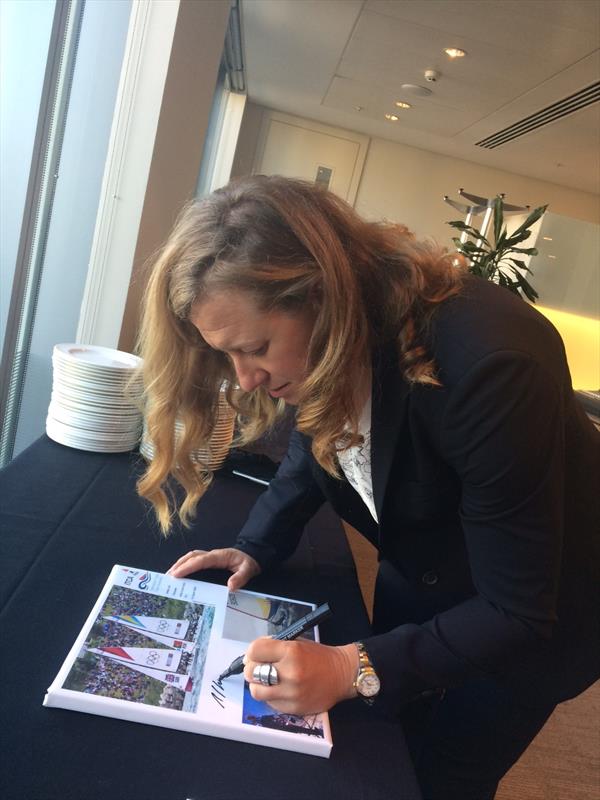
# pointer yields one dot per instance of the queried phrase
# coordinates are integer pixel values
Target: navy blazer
(486, 491)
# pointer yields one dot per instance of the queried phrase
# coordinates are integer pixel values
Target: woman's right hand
(241, 565)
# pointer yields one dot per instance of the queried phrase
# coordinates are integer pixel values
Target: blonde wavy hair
(292, 247)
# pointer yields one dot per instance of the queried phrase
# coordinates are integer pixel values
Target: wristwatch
(367, 684)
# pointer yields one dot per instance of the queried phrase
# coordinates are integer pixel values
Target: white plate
(105, 425)
(84, 371)
(90, 383)
(58, 435)
(95, 410)
(88, 435)
(83, 434)
(98, 357)
(90, 398)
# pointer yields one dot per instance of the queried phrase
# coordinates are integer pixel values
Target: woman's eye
(260, 352)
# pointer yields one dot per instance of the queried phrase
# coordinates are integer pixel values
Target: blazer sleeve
(277, 519)
(503, 434)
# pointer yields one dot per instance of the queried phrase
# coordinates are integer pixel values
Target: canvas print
(146, 649)
(153, 648)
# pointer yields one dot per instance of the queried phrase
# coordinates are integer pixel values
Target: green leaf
(490, 268)
(501, 242)
(528, 251)
(517, 238)
(458, 245)
(478, 269)
(527, 288)
(533, 217)
(521, 265)
(471, 247)
(460, 226)
(498, 218)
(529, 291)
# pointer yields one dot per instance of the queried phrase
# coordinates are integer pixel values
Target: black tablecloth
(66, 517)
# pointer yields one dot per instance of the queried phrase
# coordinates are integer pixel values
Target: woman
(435, 412)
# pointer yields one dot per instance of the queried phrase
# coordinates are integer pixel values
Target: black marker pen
(295, 630)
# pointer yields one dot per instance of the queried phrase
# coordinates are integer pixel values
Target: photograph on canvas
(251, 615)
(262, 715)
(144, 648)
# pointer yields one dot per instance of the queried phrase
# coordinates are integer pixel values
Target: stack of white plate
(95, 402)
(216, 451)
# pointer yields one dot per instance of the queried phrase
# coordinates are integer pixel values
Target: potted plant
(501, 261)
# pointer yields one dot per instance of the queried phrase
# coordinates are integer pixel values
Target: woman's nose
(249, 376)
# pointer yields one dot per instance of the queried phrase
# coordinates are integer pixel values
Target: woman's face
(267, 348)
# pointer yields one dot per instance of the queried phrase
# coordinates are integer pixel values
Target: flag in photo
(165, 626)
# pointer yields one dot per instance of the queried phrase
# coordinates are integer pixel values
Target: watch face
(368, 684)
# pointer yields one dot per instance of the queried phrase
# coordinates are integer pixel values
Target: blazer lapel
(388, 409)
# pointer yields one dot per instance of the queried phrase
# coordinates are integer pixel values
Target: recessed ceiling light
(549, 256)
(401, 104)
(392, 117)
(454, 52)
(413, 88)
(547, 238)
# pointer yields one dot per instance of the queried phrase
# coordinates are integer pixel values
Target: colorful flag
(169, 641)
(165, 626)
(182, 682)
(144, 656)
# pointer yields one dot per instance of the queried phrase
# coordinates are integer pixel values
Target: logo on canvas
(144, 580)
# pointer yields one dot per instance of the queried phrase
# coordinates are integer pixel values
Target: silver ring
(266, 674)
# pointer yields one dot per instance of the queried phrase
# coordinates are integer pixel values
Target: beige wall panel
(300, 148)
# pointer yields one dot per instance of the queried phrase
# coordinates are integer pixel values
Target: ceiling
(343, 62)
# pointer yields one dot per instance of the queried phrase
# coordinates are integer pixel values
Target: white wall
(407, 185)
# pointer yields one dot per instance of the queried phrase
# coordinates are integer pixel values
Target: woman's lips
(280, 391)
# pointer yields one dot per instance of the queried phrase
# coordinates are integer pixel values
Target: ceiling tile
(532, 27)
(347, 94)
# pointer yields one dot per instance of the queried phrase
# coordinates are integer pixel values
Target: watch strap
(365, 668)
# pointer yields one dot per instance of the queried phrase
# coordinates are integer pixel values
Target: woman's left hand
(312, 677)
